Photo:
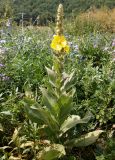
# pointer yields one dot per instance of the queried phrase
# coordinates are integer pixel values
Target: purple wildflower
(113, 43)
(4, 77)
(2, 41)
(76, 48)
(2, 65)
(1, 75)
(3, 50)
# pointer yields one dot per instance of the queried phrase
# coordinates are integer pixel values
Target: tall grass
(101, 20)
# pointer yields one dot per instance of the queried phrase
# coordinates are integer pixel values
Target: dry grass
(104, 18)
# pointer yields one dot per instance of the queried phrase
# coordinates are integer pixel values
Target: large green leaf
(50, 101)
(72, 120)
(40, 114)
(52, 76)
(69, 82)
(66, 104)
(84, 140)
(32, 114)
(52, 152)
(30, 102)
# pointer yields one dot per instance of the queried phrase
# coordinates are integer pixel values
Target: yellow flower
(66, 49)
(59, 43)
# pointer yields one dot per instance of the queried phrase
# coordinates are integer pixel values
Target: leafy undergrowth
(22, 67)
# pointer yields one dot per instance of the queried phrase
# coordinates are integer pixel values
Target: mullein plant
(55, 115)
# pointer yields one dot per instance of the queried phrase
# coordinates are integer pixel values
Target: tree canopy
(46, 9)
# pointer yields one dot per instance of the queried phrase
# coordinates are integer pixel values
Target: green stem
(58, 67)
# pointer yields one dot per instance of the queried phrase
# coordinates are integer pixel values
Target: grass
(94, 20)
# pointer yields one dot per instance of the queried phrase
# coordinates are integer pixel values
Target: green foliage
(53, 152)
(46, 9)
(6, 8)
(24, 62)
(89, 88)
(56, 113)
(109, 152)
(94, 77)
(84, 140)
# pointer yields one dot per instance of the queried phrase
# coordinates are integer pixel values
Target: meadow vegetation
(58, 105)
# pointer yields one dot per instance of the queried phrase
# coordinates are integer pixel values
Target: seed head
(59, 24)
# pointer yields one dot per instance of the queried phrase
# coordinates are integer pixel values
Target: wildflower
(106, 49)
(70, 43)
(95, 45)
(59, 44)
(113, 43)
(3, 50)
(1, 65)
(76, 48)
(59, 24)
(4, 77)
(2, 41)
(113, 60)
(1, 75)
(1, 31)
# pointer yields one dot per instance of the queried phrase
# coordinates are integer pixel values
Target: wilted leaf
(27, 144)
(84, 140)
(53, 152)
(14, 158)
(4, 147)
(72, 120)
(15, 134)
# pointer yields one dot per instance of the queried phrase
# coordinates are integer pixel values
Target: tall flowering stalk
(58, 103)
(60, 46)
(59, 43)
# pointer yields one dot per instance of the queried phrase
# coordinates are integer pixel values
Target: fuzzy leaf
(52, 76)
(32, 114)
(72, 120)
(53, 152)
(69, 82)
(84, 140)
(41, 114)
(66, 104)
(50, 101)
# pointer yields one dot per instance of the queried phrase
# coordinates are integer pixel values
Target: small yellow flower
(67, 48)
(59, 43)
